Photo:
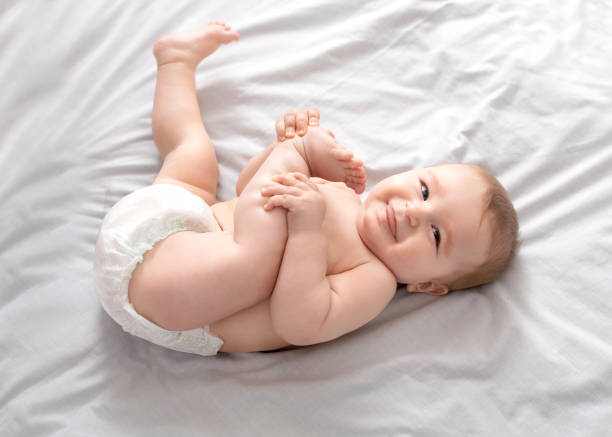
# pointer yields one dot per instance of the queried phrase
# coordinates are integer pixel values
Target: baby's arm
(307, 306)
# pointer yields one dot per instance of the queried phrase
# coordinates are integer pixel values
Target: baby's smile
(391, 221)
(422, 210)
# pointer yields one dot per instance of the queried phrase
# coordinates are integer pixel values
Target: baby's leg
(190, 279)
(322, 149)
(251, 168)
(178, 131)
(329, 160)
(317, 154)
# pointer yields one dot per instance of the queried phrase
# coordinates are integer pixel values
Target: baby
(296, 258)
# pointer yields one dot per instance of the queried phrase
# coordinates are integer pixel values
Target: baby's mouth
(391, 221)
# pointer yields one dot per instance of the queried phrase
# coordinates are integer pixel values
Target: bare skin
(299, 258)
(190, 279)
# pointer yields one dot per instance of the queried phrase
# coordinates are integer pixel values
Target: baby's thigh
(191, 279)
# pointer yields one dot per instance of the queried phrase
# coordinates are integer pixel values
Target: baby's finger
(299, 176)
(303, 182)
(290, 124)
(281, 200)
(285, 179)
(318, 180)
(301, 122)
(313, 116)
(278, 189)
(280, 129)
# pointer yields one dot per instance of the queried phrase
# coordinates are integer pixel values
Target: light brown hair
(505, 241)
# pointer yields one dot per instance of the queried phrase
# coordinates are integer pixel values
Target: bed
(522, 88)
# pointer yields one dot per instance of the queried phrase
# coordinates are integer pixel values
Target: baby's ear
(433, 288)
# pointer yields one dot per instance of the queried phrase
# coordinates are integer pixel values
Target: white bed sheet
(521, 87)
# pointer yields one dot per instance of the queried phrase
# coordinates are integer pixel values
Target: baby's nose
(412, 214)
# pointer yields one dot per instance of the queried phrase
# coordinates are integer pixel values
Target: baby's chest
(345, 249)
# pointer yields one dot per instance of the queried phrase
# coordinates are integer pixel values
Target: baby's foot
(192, 47)
(329, 160)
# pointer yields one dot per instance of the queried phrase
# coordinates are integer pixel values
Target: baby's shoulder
(370, 273)
(380, 274)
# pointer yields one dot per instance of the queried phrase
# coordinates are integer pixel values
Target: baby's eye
(424, 191)
(436, 234)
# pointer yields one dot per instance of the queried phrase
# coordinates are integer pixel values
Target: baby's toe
(340, 153)
(353, 163)
(230, 36)
(220, 23)
(357, 187)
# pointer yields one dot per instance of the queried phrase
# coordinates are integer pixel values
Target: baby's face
(426, 225)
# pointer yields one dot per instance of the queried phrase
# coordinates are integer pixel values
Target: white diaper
(130, 229)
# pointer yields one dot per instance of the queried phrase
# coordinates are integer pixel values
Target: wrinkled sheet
(522, 88)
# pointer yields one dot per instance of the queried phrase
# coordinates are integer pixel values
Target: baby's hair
(505, 241)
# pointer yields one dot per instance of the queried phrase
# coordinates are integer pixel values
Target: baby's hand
(300, 197)
(296, 122)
